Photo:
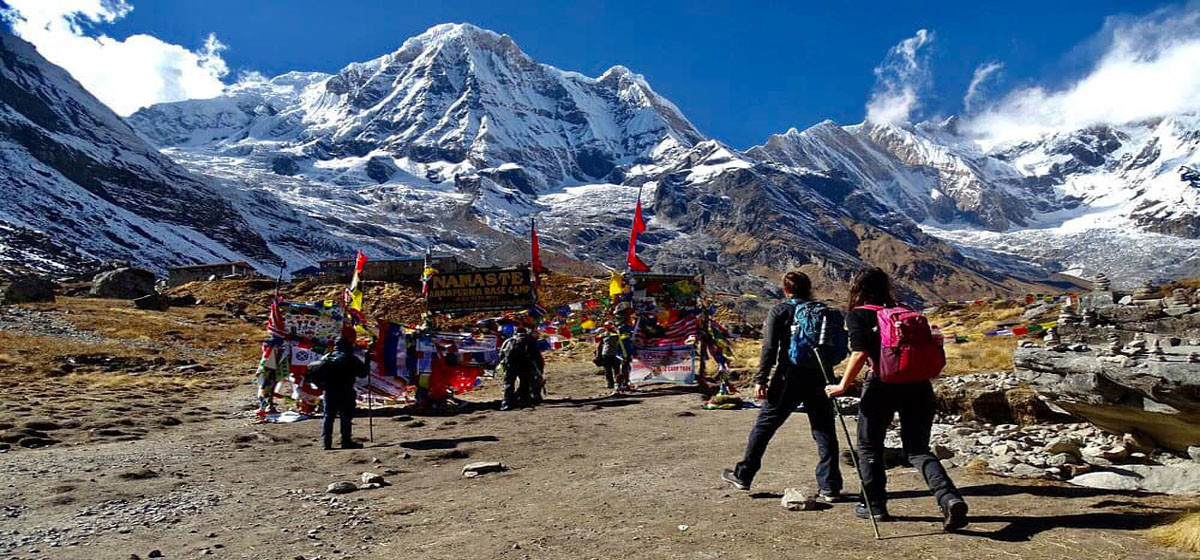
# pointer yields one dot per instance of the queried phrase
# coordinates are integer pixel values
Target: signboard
(485, 289)
(671, 364)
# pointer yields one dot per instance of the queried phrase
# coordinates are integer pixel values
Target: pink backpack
(910, 351)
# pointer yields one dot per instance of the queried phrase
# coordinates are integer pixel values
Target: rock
(156, 553)
(341, 487)
(1193, 451)
(1061, 459)
(1137, 442)
(1021, 470)
(123, 283)
(1159, 399)
(796, 499)
(1063, 445)
(1160, 479)
(186, 300)
(153, 302)
(941, 451)
(36, 442)
(28, 289)
(483, 467)
(372, 478)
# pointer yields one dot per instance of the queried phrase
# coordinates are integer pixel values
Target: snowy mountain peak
(453, 99)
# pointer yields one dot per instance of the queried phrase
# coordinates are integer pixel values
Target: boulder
(123, 283)
(28, 289)
(153, 302)
(1182, 479)
(1159, 399)
(185, 300)
(372, 478)
(796, 499)
(1063, 445)
(341, 487)
(483, 467)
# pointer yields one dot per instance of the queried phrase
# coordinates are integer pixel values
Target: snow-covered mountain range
(458, 138)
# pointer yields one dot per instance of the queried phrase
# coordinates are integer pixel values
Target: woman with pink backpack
(904, 355)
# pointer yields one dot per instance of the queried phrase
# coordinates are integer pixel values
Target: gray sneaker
(729, 476)
(830, 496)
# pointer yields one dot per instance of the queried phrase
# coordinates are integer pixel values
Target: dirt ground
(589, 477)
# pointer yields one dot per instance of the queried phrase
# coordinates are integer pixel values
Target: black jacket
(776, 343)
(339, 371)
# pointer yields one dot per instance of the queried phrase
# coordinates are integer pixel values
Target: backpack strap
(875, 308)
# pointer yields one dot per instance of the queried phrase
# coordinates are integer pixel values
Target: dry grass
(979, 354)
(1182, 534)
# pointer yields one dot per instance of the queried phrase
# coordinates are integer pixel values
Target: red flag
(535, 248)
(639, 226)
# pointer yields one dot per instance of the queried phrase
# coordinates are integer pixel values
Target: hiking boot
(505, 406)
(954, 515)
(351, 445)
(729, 476)
(328, 446)
(880, 512)
(830, 496)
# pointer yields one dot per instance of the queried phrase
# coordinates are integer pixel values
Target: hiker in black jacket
(791, 385)
(520, 357)
(336, 373)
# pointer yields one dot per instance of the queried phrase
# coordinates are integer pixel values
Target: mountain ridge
(457, 138)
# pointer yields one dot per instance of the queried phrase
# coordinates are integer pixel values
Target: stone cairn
(1114, 344)
(1101, 283)
(1089, 317)
(1178, 303)
(1137, 346)
(1067, 315)
(1052, 341)
(1146, 294)
(1156, 351)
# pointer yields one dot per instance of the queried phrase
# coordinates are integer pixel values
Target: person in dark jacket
(338, 372)
(881, 402)
(791, 385)
(520, 357)
(610, 357)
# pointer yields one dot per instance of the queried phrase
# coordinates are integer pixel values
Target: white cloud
(978, 88)
(900, 79)
(125, 74)
(1147, 68)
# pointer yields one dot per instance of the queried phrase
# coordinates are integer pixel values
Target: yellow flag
(617, 287)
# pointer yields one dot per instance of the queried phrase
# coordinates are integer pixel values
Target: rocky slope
(81, 185)
(1073, 201)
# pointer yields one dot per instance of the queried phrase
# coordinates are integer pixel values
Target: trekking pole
(849, 442)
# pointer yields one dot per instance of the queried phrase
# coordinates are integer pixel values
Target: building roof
(242, 264)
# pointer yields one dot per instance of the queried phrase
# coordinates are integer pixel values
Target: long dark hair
(872, 286)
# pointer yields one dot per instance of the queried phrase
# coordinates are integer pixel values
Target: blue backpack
(818, 327)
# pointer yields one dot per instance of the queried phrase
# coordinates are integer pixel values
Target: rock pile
(1063, 452)
(1143, 376)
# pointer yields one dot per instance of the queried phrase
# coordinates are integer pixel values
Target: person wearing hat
(336, 373)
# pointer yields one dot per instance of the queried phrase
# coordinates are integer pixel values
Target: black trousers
(916, 405)
(513, 393)
(783, 395)
(615, 373)
(337, 404)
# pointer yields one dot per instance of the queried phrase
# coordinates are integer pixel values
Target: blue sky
(739, 71)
